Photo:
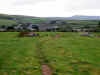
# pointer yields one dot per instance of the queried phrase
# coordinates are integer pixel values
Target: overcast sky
(51, 8)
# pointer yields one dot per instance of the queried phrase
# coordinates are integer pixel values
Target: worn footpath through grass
(45, 67)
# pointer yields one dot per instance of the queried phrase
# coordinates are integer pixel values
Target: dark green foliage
(99, 24)
(87, 26)
(65, 29)
(5, 16)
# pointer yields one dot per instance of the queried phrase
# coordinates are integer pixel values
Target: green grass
(7, 22)
(17, 55)
(32, 20)
(73, 55)
(84, 22)
(70, 54)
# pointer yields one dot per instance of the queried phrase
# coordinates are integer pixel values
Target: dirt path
(45, 69)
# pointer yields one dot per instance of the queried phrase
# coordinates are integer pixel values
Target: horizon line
(45, 16)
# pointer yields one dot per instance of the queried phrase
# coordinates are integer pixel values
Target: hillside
(6, 19)
(74, 20)
(75, 17)
(79, 17)
(7, 22)
(14, 19)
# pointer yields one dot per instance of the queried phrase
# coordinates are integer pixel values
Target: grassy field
(7, 22)
(26, 20)
(17, 55)
(33, 20)
(68, 54)
(83, 22)
(73, 55)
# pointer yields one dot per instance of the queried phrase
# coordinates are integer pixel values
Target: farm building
(48, 28)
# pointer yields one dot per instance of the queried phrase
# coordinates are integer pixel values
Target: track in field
(45, 68)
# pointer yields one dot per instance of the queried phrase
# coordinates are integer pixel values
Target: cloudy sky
(51, 8)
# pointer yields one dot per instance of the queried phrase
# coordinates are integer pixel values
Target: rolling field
(7, 22)
(65, 54)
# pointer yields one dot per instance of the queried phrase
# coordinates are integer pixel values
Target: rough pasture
(64, 53)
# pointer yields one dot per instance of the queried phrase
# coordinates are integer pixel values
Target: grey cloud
(75, 5)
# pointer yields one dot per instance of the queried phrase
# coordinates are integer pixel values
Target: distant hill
(6, 16)
(22, 17)
(55, 18)
(6, 19)
(76, 17)
(79, 17)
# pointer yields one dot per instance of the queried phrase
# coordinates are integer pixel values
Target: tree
(99, 24)
(97, 29)
(65, 28)
(87, 26)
